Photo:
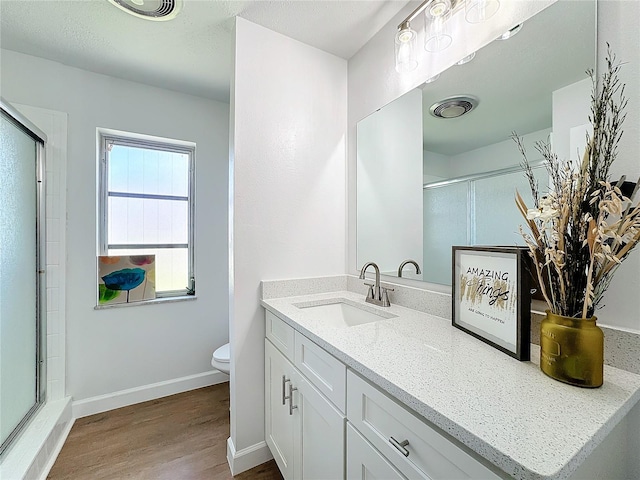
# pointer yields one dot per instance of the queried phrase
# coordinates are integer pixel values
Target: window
(146, 206)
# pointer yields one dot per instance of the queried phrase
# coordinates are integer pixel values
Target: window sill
(180, 298)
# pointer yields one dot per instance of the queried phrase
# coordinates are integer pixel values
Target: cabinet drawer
(364, 462)
(324, 371)
(280, 334)
(427, 455)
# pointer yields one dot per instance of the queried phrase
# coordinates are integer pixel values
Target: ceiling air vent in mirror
(453, 107)
(156, 10)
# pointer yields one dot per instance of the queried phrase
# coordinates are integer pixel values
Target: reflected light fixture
(510, 33)
(466, 59)
(405, 48)
(437, 34)
(432, 79)
(477, 11)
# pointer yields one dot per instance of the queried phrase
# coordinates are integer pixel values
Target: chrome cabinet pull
(400, 446)
(292, 407)
(284, 381)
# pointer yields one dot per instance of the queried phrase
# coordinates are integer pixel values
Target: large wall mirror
(425, 183)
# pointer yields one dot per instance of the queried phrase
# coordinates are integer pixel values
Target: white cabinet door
(279, 424)
(319, 441)
(364, 462)
(305, 433)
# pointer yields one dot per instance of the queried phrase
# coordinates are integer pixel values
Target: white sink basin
(343, 312)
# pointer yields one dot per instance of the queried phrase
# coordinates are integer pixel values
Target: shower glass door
(21, 273)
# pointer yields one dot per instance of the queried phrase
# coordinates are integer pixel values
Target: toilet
(220, 359)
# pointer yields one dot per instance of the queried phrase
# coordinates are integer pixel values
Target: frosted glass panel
(137, 170)
(445, 224)
(496, 216)
(17, 276)
(143, 220)
(171, 266)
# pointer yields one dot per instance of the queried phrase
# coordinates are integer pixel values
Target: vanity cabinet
(304, 429)
(310, 395)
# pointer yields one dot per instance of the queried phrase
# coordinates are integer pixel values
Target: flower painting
(126, 279)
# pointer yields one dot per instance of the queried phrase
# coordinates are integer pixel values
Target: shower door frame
(40, 138)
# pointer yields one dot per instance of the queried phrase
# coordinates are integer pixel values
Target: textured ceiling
(191, 53)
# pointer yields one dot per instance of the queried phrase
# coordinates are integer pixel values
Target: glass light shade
(466, 59)
(432, 79)
(510, 33)
(477, 11)
(437, 35)
(405, 48)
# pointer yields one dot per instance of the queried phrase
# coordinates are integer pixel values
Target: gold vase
(572, 350)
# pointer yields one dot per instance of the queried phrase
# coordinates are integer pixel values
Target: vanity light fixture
(510, 33)
(466, 59)
(405, 48)
(155, 10)
(437, 34)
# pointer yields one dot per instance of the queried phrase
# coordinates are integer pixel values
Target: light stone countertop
(507, 411)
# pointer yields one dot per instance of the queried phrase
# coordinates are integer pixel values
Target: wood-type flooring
(181, 437)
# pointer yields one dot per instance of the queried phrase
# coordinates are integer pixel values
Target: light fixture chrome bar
(421, 8)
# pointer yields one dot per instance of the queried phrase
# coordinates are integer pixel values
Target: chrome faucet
(418, 272)
(377, 295)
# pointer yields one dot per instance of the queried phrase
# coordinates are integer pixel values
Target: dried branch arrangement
(585, 225)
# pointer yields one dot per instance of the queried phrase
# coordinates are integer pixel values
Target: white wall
(435, 167)
(571, 108)
(484, 159)
(123, 348)
(390, 184)
(288, 110)
(496, 156)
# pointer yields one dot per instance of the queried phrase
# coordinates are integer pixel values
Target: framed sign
(491, 296)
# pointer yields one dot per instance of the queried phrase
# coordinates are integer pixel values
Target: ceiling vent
(453, 107)
(156, 10)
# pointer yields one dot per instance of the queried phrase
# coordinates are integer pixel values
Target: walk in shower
(22, 273)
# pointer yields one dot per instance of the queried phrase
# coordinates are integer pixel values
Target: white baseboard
(131, 396)
(247, 458)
